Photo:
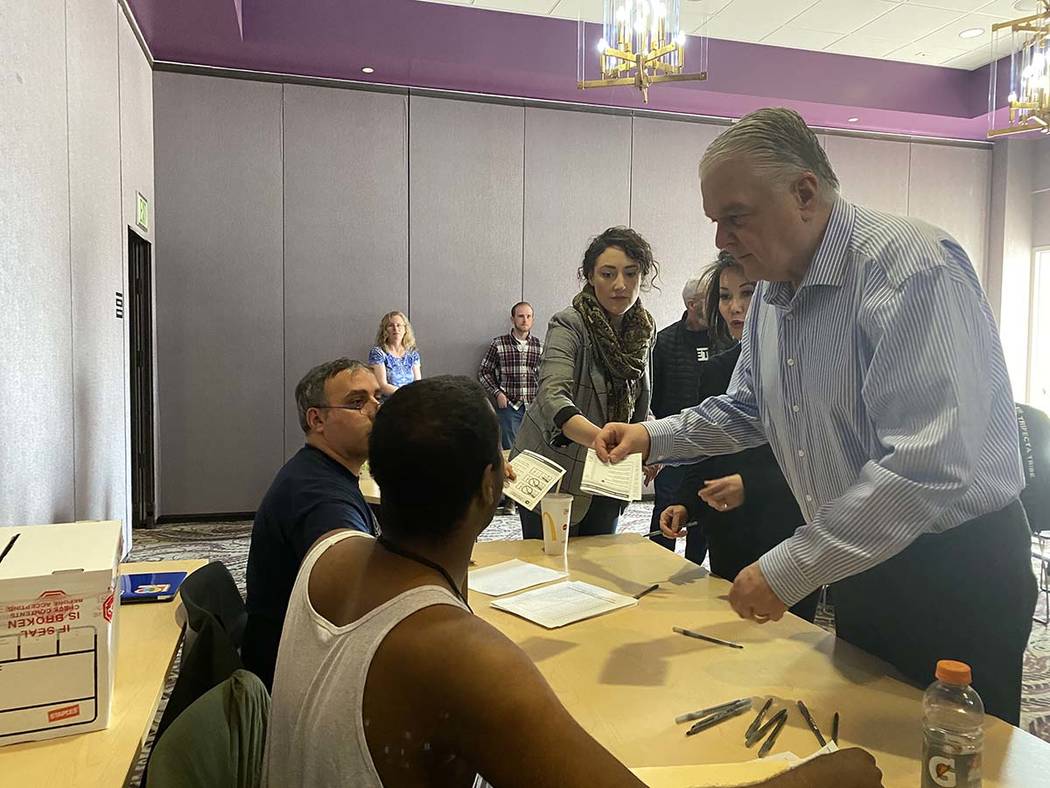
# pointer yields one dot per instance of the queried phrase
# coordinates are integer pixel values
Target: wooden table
(625, 675)
(147, 639)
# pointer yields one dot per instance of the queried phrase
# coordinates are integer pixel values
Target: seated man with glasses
(316, 490)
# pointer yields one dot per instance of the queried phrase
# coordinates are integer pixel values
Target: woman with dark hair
(595, 369)
(741, 501)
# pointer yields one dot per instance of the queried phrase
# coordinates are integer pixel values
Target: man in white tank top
(385, 677)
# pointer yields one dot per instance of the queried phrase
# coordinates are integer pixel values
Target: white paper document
(536, 475)
(622, 480)
(510, 576)
(564, 603)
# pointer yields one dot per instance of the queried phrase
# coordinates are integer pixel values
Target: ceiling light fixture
(1028, 101)
(852, 120)
(971, 32)
(368, 70)
(642, 43)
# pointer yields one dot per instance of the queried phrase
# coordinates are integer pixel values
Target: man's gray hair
(692, 289)
(309, 393)
(778, 141)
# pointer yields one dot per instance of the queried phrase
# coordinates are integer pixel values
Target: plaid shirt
(512, 367)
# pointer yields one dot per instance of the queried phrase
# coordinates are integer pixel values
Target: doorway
(140, 336)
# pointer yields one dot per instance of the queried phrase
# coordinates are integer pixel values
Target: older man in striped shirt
(872, 365)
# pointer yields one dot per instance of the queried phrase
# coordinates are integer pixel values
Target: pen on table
(758, 720)
(721, 716)
(645, 591)
(658, 532)
(699, 636)
(696, 715)
(812, 725)
(761, 731)
(835, 728)
(783, 715)
(10, 544)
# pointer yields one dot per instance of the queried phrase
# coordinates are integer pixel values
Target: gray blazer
(570, 375)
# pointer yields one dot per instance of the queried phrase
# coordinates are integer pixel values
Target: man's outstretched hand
(616, 440)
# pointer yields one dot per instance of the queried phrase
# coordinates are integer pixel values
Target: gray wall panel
(577, 183)
(1041, 219)
(99, 379)
(949, 188)
(465, 198)
(219, 315)
(136, 174)
(666, 206)
(36, 379)
(872, 173)
(345, 221)
(1010, 244)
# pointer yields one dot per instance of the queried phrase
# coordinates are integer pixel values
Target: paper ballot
(536, 475)
(621, 480)
(564, 603)
(510, 576)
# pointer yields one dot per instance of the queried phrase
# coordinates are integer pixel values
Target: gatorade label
(945, 770)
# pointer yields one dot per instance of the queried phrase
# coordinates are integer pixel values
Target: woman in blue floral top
(394, 359)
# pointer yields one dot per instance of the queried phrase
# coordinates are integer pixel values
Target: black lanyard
(401, 551)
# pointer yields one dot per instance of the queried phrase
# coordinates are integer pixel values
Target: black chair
(1034, 433)
(215, 618)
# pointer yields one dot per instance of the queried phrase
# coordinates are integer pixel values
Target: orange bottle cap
(952, 672)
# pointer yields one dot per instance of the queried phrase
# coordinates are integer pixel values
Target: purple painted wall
(455, 47)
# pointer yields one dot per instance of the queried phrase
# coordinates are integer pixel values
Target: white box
(58, 628)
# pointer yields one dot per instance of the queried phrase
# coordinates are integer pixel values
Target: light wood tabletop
(625, 676)
(148, 636)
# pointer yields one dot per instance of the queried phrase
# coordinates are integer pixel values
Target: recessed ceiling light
(1025, 6)
(971, 32)
(367, 70)
(852, 120)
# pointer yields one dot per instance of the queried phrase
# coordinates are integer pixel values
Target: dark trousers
(509, 423)
(667, 486)
(966, 594)
(603, 516)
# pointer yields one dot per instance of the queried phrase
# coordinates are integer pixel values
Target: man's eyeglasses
(351, 406)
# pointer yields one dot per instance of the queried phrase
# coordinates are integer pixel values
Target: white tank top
(316, 733)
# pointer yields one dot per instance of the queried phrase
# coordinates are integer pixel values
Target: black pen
(658, 532)
(700, 636)
(10, 544)
(812, 725)
(645, 591)
(696, 715)
(783, 715)
(760, 732)
(722, 716)
(758, 720)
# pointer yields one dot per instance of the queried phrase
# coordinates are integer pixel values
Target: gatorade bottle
(952, 720)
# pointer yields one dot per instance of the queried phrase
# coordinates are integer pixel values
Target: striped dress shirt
(881, 387)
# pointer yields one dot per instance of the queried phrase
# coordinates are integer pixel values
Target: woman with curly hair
(595, 369)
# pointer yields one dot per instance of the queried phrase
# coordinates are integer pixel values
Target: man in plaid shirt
(510, 372)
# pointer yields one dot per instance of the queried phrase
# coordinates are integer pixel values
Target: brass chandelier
(642, 44)
(1029, 99)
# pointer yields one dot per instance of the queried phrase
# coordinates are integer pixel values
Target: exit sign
(141, 211)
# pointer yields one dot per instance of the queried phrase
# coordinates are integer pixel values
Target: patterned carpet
(228, 542)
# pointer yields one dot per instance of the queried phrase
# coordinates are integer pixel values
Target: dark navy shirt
(310, 496)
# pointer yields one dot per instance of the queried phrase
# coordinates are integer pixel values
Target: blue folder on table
(150, 586)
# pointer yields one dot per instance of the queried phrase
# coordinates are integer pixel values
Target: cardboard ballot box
(58, 628)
